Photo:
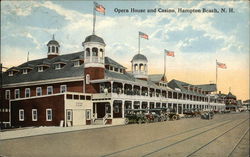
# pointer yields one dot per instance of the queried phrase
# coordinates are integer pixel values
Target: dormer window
(25, 71)
(40, 69)
(57, 66)
(10, 73)
(76, 63)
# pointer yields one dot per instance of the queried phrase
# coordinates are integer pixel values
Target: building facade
(82, 87)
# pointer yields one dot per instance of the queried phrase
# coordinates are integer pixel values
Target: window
(63, 88)
(49, 90)
(53, 48)
(10, 73)
(34, 114)
(57, 50)
(27, 92)
(111, 68)
(40, 69)
(48, 114)
(21, 115)
(94, 51)
(17, 93)
(49, 49)
(88, 52)
(88, 114)
(7, 94)
(116, 69)
(120, 70)
(57, 66)
(38, 91)
(87, 79)
(69, 115)
(25, 71)
(76, 63)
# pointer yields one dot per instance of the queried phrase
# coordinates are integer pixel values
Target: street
(225, 135)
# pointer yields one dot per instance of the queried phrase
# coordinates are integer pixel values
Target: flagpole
(139, 43)
(216, 76)
(94, 18)
(164, 63)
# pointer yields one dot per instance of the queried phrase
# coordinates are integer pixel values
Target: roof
(50, 73)
(94, 38)
(109, 61)
(230, 95)
(180, 85)
(208, 87)
(156, 78)
(139, 57)
(53, 42)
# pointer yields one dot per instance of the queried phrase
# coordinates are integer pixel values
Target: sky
(197, 39)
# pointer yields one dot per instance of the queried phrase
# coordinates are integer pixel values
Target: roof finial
(53, 37)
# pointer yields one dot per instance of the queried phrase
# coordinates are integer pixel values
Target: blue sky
(198, 39)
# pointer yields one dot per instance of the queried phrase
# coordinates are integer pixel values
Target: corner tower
(94, 55)
(140, 67)
(53, 48)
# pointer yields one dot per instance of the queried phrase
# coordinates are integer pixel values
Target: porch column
(123, 104)
(181, 108)
(111, 108)
(172, 95)
(95, 110)
(140, 104)
(177, 106)
(132, 106)
(123, 84)
(140, 90)
(111, 82)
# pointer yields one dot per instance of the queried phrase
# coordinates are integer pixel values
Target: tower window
(53, 48)
(49, 49)
(88, 52)
(56, 49)
(94, 51)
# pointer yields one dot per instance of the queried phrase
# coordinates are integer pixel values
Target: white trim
(34, 119)
(21, 118)
(51, 90)
(40, 91)
(61, 86)
(7, 91)
(50, 81)
(47, 118)
(34, 97)
(16, 93)
(26, 92)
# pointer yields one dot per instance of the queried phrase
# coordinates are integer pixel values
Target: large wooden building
(78, 88)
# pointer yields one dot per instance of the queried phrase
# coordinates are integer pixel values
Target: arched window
(49, 49)
(101, 53)
(56, 49)
(141, 67)
(94, 51)
(136, 67)
(53, 48)
(88, 52)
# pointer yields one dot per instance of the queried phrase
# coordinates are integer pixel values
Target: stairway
(98, 121)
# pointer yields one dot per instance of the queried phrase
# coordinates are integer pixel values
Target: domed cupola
(140, 67)
(53, 48)
(94, 51)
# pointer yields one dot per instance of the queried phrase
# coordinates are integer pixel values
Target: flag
(143, 35)
(221, 65)
(169, 53)
(99, 8)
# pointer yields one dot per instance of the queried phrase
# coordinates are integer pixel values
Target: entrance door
(79, 117)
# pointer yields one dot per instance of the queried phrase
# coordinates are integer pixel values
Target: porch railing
(104, 119)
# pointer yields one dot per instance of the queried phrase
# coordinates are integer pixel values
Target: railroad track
(224, 122)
